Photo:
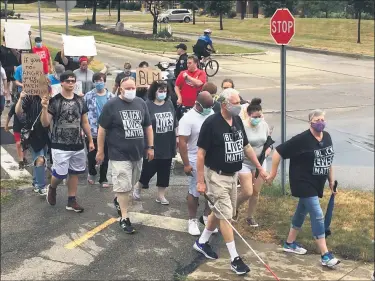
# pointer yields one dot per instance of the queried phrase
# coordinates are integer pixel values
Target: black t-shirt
(8, 59)
(31, 106)
(224, 145)
(181, 64)
(17, 124)
(73, 62)
(216, 108)
(67, 120)
(310, 162)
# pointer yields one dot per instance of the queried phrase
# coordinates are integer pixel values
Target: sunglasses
(69, 81)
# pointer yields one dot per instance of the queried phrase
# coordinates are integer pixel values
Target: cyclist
(201, 47)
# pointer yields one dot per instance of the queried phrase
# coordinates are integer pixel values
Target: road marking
(162, 222)
(88, 235)
(10, 166)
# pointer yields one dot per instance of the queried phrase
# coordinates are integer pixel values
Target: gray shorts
(193, 181)
(125, 174)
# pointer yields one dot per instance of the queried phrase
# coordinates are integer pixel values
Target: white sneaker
(162, 201)
(193, 227)
(205, 219)
(137, 192)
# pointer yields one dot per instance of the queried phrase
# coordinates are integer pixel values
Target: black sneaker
(21, 165)
(205, 249)
(73, 206)
(51, 195)
(127, 226)
(117, 206)
(239, 267)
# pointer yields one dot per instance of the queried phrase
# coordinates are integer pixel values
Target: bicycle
(210, 66)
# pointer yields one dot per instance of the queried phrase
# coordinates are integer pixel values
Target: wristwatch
(150, 147)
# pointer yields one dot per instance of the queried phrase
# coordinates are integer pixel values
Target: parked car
(180, 15)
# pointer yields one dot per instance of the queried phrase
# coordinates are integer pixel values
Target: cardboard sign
(76, 46)
(145, 76)
(33, 78)
(17, 35)
(56, 89)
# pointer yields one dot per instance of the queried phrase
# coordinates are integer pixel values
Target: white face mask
(129, 94)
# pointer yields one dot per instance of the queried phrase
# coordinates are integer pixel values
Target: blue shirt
(18, 76)
(53, 79)
(206, 39)
(100, 102)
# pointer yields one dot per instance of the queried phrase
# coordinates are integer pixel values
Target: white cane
(235, 230)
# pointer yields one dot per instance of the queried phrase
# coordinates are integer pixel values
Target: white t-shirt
(190, 126)
(3, 77)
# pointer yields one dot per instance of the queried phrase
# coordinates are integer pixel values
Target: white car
(180, 15)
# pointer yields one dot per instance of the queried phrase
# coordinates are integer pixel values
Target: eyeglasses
(69, 81)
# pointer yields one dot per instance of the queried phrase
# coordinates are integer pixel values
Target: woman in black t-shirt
(311, 155)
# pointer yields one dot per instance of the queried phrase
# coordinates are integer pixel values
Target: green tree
(155, 7)
(359, 7)
(94, 5)
(193, 5)
(219, 8)
(270, 6)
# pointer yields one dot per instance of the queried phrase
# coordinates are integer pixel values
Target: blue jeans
(39, 176)
(311, 206)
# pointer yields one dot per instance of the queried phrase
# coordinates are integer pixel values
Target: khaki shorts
(125, 174)
(222, 190)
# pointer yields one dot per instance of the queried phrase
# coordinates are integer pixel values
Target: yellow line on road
(89, 234)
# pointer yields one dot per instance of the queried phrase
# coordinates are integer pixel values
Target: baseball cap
(38, 39)
(181, 46)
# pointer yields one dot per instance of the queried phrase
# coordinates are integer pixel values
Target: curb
(298, 49)
(145, 51)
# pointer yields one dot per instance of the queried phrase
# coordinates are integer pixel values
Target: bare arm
(276, 158)
(250, 153)
(195, 82)
(45, 117)
(183, 149)
(86, 127)
(331, 177)
(178, 92)
(63, 57)
(18, 108)
(101, 139)
(201, 154)
(150, 136)
(18, 83)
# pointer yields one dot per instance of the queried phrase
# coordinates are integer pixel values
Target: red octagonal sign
(282, 26)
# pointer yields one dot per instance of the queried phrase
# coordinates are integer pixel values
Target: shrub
(164, 33)
(232, 14)
(10, 13)
(87, 22)
(131, 6)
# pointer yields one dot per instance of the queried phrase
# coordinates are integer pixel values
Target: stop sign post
(66, 5)
(282, 29)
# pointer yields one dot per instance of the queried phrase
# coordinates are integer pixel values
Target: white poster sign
(17, 35)
(56, 89)
(76, 46)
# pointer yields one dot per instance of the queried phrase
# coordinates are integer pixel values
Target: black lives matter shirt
(310, 162)
(224, 144)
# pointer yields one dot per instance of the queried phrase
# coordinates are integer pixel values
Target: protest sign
(56, 89)
(17, 35)
(77, 46)
(32, 75)
(145, 76)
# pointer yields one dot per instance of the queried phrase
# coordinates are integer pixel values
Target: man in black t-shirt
(311, 154)
(181, 63)
(221, 146)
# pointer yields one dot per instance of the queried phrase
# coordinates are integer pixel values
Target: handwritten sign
(145, 76)
(56, 89)
(32, 75)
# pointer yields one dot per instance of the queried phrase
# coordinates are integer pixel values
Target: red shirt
(44, 55)
(188, 91)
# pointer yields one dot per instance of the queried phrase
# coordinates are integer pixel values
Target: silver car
(180, 15)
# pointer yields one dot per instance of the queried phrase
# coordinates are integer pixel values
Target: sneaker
(91, 179)
(51, 195)
(205, 249)
(42, 191)
(137, 192)
(21, 165)
(73, 206)
(193, 227)
(105, 184)
(239, 267)
(329, 260)
(294, 248)
(251, 222)
(162, 201)
(126, 225)
(117, 206)
(203, 220)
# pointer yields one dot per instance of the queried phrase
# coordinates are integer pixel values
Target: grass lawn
(145, 44)
(352, 222)
(44, 8)
(6, 187)
(326, 34)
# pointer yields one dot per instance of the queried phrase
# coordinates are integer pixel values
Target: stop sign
(282, 26)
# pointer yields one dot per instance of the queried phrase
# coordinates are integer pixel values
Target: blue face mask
(99, 85)
(38, 45)
(255, 121)
(160, 96)
(205, 111)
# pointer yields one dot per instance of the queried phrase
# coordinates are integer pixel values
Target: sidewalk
(285, 265)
